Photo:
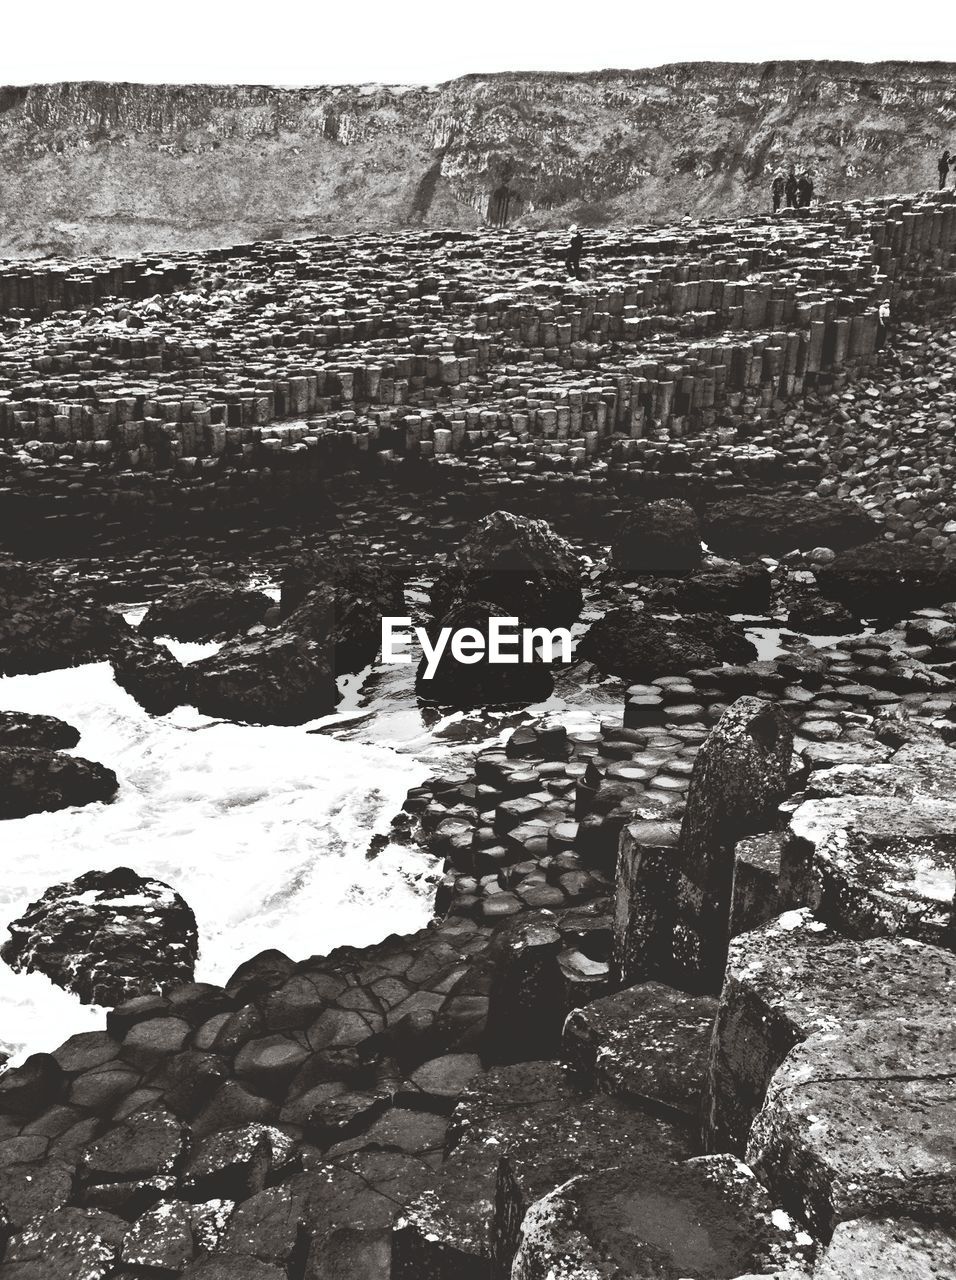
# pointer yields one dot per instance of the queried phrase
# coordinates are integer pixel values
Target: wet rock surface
(36, 780)
(205, 611)
(107, 936)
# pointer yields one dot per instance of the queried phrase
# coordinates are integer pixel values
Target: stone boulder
(740, 776)
(149, 673)
(648, 1043)
(205, 610)
(818, 617)
(791, 978)
(658, 537)
(339, 601)
(639, 646)
(888, 579)
(482, 683)
(46, 733)
(47, 622)
(724, 586)
(107, 937)
(887, 1249)
(703, 1218)
(273, 678)
(877, 865)
(67, 1244)
(861, 1121)
(38, 781)
(520, 565)
(773, 524)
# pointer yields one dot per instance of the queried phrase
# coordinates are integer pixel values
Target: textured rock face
(878, 865)
(38, 781)
(778, 523)
(658, 537)
(648, 1043)
(482, 683)
(274, 678)
(792, 978)
(46, 624)
(554, 148)
(205, 611)
(887, 1249)
(340, 602)
(888, 580)
(861, 1121)
(518, 564)
(636, 645)
(708, 1217)
(149, 673)
(107, 937)
(20, 729)
(740, 776)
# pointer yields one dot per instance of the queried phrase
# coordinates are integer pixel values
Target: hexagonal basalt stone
(270, 1064)
(235, 1163)
(169, 1236)
(792, 978)
(888, 1249)
(648, 1043)
(545, 1131)
(879, 865)
(67, 1244)
(705, 1219)
(862, 1121)
(30, 1190)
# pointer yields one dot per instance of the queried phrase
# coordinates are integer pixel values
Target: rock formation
(107, 936)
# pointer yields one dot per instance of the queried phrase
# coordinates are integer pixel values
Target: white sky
(426, 41)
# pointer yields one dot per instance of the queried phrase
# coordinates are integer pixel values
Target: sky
(428, 41)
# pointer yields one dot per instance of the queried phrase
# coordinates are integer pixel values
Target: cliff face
(124, 168)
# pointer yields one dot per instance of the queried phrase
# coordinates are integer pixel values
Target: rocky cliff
(124, 168)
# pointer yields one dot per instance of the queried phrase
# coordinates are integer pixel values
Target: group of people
(796, 189)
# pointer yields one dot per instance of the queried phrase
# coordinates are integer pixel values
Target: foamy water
(263, 830)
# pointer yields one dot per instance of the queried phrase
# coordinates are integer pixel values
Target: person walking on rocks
(883, 324)
(575, 246)
(777, 191)
(804, 191)
(944, 166)
(790, 188)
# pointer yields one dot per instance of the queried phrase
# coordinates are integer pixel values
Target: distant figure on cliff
(575, 246)
(790, 188)
(804, 191)
(777, 191)
(944, 166)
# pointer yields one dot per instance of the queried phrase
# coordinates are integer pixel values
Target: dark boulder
(107, 937)
(725, 587)
(815, 616)
(773, 524)
(482, 683)
(149, 673)
(658, 537)
(637, 646)
(273, 678)
(46, 623)
(520, 565)
(205, 610)
(37, 781)
(740, 776)
(339, 602)
(888, 579)
(20, 729)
